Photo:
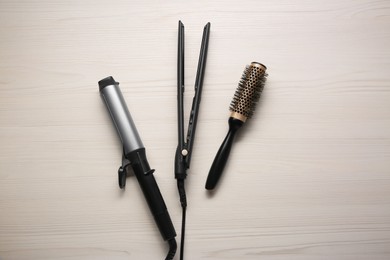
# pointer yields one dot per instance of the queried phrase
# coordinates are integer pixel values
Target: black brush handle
(222, 154)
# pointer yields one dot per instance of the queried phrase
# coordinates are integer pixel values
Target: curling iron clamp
(185, 145)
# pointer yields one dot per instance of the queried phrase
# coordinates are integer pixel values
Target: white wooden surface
(308, 177)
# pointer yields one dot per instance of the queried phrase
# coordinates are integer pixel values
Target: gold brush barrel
(248, 91)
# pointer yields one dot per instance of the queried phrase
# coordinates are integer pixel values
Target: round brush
(242, 107)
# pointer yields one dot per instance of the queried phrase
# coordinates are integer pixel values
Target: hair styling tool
(184, 147)
(242, 107)
(134, 155)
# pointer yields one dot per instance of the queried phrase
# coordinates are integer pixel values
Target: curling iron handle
(222, 154)
(152, 193)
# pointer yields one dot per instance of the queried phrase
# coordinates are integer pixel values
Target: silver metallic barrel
(116, 105)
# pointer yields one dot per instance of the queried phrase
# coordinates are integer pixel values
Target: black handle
(152, 193)
(222, 154)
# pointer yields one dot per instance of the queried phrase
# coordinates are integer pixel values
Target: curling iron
(134, 152)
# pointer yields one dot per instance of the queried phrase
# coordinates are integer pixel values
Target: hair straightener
(185, 145)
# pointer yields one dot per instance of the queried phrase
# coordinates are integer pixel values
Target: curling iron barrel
(116, 105)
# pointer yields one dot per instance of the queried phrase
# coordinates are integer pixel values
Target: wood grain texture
(309, 174)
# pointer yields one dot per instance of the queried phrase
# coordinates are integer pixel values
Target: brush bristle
(249, 90)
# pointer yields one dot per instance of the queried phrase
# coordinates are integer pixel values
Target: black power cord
(183, 202)
(172, 249)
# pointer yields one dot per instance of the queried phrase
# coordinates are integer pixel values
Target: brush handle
(222, 154)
